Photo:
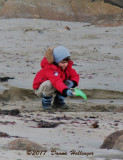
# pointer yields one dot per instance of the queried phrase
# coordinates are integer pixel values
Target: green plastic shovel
(78, 92)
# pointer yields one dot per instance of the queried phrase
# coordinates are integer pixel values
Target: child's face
(63, 64)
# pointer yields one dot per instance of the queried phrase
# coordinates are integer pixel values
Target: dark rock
(118, 3)
(111, 140)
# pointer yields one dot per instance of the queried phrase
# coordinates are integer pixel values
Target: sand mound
(16, 94)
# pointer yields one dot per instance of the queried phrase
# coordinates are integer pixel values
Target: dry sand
(97, 55)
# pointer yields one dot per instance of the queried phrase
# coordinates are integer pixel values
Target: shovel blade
(80, 93)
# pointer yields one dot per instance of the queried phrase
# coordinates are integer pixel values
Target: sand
(96, 51)
(75, 134)
(97, 55)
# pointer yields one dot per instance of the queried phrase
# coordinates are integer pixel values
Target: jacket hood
(49, 55)
(44, 62)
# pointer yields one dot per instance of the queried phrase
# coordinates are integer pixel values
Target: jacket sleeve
(55, 79)
(74, 76)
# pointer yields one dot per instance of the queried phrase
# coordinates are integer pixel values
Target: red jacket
(55, 74)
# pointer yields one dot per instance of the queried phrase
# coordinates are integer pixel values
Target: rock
(24, 144)
(118, 3)
(119, 144)
(113, 141)
(18, 9)
(46, 9)
(66, 10)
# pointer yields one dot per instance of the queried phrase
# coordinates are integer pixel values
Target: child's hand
(69, 93)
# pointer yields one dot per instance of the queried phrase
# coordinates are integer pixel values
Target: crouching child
(56, 78)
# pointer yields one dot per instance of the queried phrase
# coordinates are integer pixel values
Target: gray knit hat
(60, 53)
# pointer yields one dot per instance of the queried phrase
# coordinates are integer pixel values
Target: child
(55, 78)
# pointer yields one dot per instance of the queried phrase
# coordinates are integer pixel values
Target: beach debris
(5, 79)
(81, 118)
(93, 117)
(95, 125)
(7, 122)
(12, 112)
(111, 140)
(111, 101)
(90, 77)
(115, 124)
(62, 118)
(34, 29)
(3, 134)
(87, 25)
(75, 122)
(66, 27)
(24, 144)
(44, 124)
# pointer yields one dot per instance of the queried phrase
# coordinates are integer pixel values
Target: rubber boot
(59, 102)
(46, 102)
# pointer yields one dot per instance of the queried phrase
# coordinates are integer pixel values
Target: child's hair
(66, 59)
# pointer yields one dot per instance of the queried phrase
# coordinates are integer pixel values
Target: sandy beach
(76, 133)
(97, 55)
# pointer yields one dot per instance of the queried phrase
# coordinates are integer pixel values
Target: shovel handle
(74, 93)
